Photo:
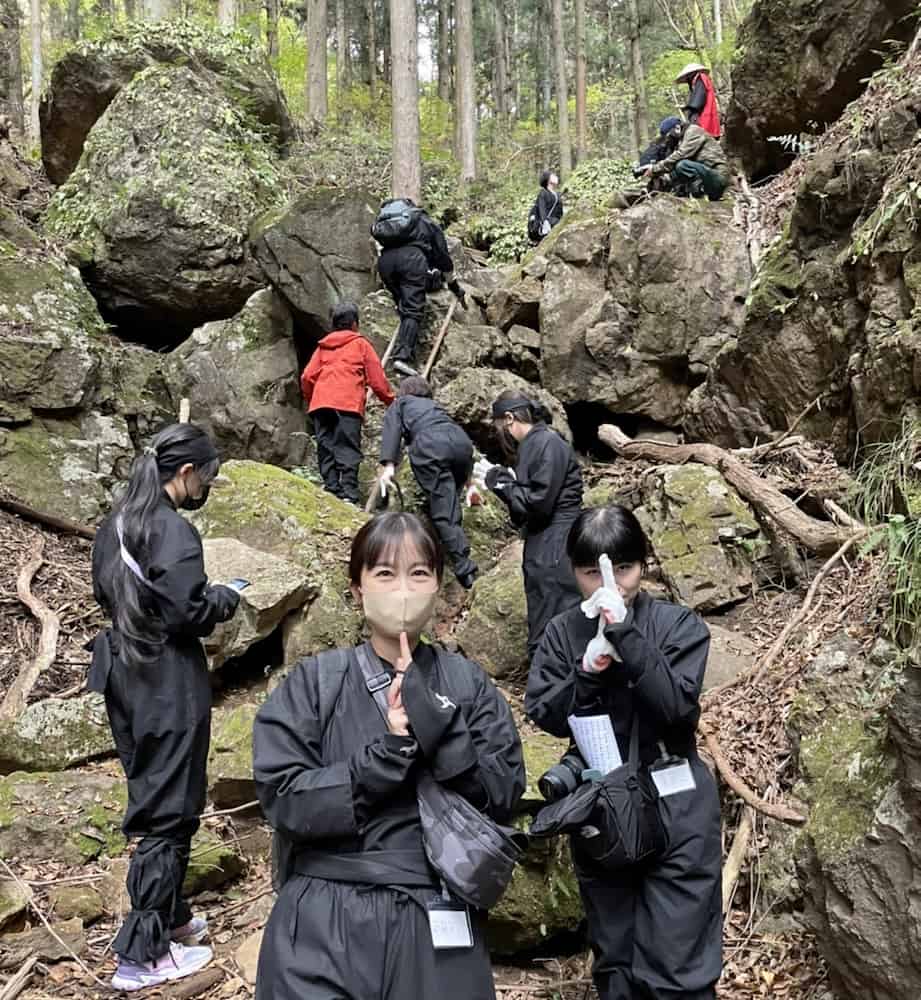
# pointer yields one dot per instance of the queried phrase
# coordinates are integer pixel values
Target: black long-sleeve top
(417, 419)
(549, 206)
(663, 648)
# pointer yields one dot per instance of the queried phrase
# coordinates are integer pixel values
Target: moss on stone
(541, 752)
(212, 863)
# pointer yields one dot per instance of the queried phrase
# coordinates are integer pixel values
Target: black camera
(638, 171)
(562, 778)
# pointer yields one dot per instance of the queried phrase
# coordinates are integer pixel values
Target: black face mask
(197, 503)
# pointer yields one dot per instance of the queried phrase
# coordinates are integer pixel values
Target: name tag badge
(450, 925)
(673, 776)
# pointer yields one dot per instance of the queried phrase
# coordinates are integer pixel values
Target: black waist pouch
(614, 822)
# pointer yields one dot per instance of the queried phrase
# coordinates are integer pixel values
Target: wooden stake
(185, 410)
(436, 346)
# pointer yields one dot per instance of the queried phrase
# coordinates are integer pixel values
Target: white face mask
(394, 611)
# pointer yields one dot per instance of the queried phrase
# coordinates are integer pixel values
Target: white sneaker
(177, 963)
(193, 932)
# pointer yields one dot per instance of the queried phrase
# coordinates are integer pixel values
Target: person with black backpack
(414, 260)
(548, 208)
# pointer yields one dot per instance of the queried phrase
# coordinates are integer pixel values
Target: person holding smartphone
(149, 577)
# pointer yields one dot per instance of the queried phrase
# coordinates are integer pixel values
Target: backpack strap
(332, 665)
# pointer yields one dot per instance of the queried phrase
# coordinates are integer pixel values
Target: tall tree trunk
(226, 13)
(581, 115)
(158, 10)
(407, 164)
(444, 50)
(372, 49)
(502, 95)
(546, 62)
(251, 16)
(562, 89)
(343, 63)
(11, 64)
(317, 106)
(271, 28)
(35, 29)
(464, 86)
(637, 74)
(385, 46)
(512, 63)
(718, 22)
(131, 10)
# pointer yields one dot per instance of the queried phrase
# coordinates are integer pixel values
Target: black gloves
(459, 293)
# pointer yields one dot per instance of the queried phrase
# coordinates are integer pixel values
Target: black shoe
(466, 579)
(404, 368)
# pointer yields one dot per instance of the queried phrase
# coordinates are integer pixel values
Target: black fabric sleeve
(439, 257)
(186, 602)
(532, 497)
(301, 796)
(666, 679)
(392, 433)
(557, 687)
(697, 98)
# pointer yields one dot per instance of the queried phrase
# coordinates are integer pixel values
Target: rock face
(704, 535)
(318, 251)
(800, 63)
(55, 734)
(230, 762)
(160, 203)
(632, 315)
(833, 312)
(242, 377)
(89, 77)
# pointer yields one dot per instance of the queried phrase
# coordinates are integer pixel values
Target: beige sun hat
(689, 70)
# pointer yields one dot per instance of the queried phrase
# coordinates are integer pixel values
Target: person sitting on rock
(338, 770)
(414, 260)
(665, 143)
(702, 107)
(149, 576)
(335, 384)
(698, 160)
(441, 457)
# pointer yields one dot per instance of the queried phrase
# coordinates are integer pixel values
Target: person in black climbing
(543, 496)
(655, 928)
(414, 260)
(698, 160)
(354, 914)
(149, 576)
(548, 207)
(441, 457)
(702, 107)
(334, 385)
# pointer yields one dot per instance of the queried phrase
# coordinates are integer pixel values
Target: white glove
(385, 479)
(605, 599)
(480, 468)
(599, 646)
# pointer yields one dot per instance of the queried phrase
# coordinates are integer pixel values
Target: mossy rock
(14, 903)
(70, 817)
(52, 735)
(230, 761)
(212, 863)
(541, 752)
(83, 901)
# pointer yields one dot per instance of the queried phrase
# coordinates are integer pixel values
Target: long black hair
(613, 530)
(133, 613)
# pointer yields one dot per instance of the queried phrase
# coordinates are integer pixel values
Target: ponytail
(528, 411)
(134, 614)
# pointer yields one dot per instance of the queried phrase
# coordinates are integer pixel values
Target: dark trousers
(405, 274)
(338, 451)
(442, 470)
(656, 930)
(549, 585)
(690, 170)
(160, 720)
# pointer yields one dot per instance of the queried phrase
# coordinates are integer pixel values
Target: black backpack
(534, 224)
(395, 224)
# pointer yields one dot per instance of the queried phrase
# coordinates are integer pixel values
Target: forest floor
(766, 953)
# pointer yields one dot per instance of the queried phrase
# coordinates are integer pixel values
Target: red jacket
(339, 373)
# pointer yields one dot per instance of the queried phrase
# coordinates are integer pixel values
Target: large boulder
(798, 64)
(55, 734)
(69, 816)
(159, 206)
(633, 313)
(230, 760)
(89, 77)
(318, 251)
(705, 537)
(276, 588)
(241, 376)
(469, 398)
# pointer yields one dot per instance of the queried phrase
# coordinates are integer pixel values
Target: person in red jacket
(702, 107)
(335, 384)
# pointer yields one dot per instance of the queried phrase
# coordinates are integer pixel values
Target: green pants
(714, 183)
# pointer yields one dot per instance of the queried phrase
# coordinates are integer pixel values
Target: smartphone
(238, 583)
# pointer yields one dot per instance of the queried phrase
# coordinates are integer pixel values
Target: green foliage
(593, 182)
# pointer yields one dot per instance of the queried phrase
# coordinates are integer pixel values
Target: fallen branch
(776, 810)
(818, 536)
(840, 515)
(195, 985)
(736, 857)
(62, 524)
(230, 812)
(778, 441)
(15, 700)
(17, 983)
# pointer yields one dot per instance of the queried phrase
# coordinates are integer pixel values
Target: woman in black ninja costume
(149, 577)
(543, 496)
(655, 928)
(338, 784)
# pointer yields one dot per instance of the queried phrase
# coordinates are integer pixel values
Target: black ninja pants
(338, 451)
(405, 273)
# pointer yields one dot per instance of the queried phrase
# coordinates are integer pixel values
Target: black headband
(502, 406)
(198, 452)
